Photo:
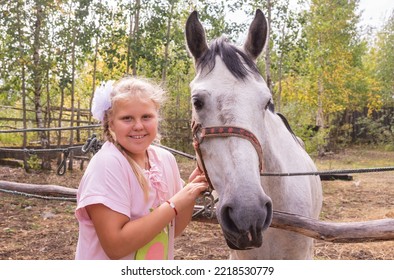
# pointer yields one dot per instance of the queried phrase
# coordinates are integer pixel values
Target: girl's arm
(119, 236)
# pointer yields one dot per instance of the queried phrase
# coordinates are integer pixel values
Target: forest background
(332, 78)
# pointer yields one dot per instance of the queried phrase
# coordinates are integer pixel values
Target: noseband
(200, 133)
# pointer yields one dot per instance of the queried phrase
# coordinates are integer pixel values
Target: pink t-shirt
(109, 180)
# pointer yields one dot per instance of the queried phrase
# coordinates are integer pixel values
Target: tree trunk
(70, 165)
(48, 114)
(78, 131)
(167, 45)
(320, 115)
(280, 74)
(59, 123)
(268, 49)
(129, 42)
(136, 36)
(23, 81)
(37, 80)
(94, 76)
(48, 105)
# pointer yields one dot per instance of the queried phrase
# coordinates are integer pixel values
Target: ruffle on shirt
(155, 177)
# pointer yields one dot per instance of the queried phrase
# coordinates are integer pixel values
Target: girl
(131, 203)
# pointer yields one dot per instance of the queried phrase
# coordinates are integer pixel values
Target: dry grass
(38, 229)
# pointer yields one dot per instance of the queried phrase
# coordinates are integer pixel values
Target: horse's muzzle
(243, 226)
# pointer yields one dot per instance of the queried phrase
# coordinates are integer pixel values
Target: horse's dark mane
(286, 123)
(237, 62)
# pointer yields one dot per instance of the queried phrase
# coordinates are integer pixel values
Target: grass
(356, 157)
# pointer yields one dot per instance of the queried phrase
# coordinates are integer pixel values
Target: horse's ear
(257, 35)
(195, 36)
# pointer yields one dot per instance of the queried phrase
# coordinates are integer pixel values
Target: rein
(200, 133)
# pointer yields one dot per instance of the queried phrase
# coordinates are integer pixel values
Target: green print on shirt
(156, 249)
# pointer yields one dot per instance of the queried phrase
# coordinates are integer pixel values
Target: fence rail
(21, 130)
(350, 232)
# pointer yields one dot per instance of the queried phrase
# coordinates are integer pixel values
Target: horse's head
(229, 93)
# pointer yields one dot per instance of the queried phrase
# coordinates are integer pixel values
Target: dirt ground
(32, 228)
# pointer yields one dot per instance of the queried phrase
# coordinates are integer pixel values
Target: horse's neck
(283, 154)
(281, 150)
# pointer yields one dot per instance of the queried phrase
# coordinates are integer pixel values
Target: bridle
(200, 133)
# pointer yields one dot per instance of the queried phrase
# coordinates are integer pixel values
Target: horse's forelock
(236, 61)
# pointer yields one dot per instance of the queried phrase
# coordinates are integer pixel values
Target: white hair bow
(102, 100)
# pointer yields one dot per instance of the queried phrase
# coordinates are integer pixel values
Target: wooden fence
(176, 132)
(351, 232)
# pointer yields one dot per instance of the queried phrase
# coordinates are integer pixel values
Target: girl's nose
(138, 125)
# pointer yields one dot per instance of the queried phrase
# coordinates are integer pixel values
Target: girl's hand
(199, 181)
(185, 199)
(196, 172)
(187, 196)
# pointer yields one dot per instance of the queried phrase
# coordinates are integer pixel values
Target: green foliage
(302, 122)
(318, 59)
(384, 67)
(33, 162)
(377, 131)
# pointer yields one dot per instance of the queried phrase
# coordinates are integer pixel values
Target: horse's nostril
(268, 218)
(228, 218)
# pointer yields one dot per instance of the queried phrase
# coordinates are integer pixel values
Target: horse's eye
(270, 105)
(197, 103)
(267, 105)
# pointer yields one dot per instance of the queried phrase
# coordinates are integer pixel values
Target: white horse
(238, 136)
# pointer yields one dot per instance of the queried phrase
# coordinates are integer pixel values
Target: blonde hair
(124, 89)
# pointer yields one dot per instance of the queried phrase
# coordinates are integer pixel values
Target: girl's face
(134, 122)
